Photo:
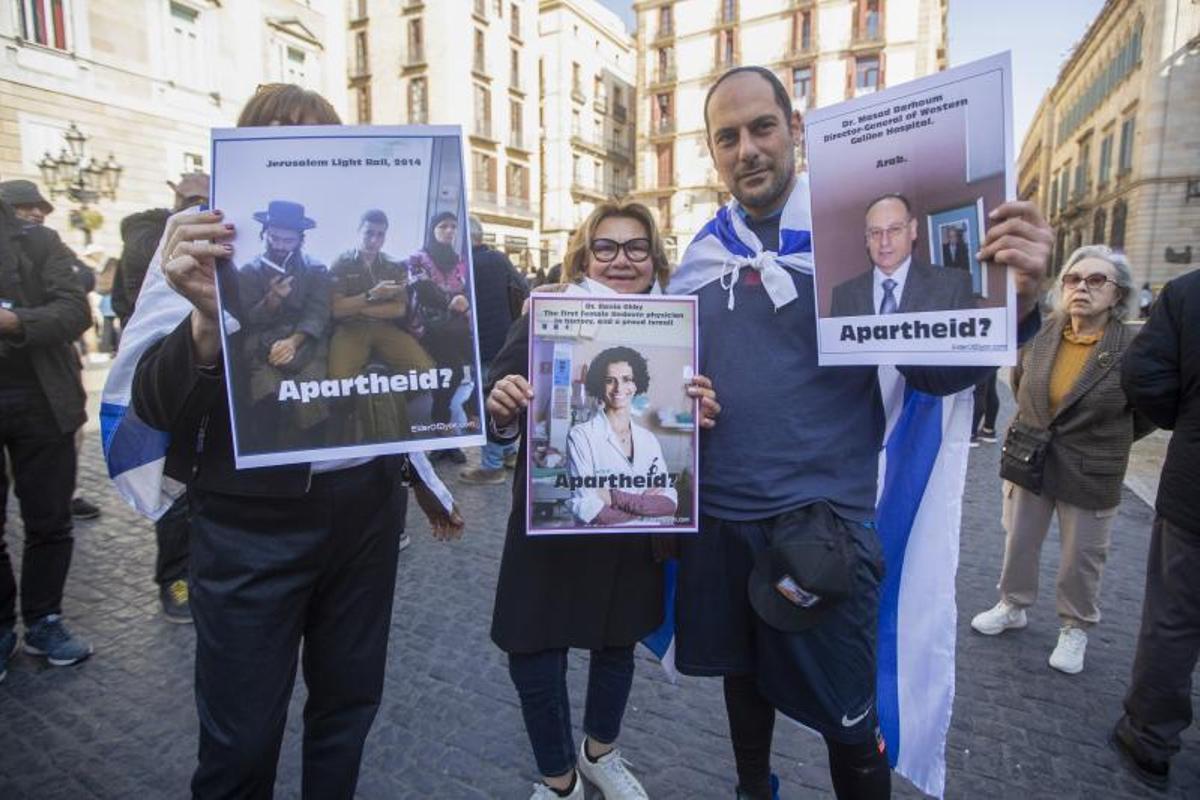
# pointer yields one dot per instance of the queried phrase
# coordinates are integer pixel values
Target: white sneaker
(1068, 654)
(543, 792)
(611, 775)
(999, 618)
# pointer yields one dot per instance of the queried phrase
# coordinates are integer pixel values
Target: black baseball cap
(805, 571)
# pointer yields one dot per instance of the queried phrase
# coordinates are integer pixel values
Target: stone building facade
(1113, 153)
(587, 108)
(145, 80)
(460, 62)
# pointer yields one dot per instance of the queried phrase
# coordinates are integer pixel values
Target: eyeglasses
(1096, 280)
(605, 250)
(891, 232)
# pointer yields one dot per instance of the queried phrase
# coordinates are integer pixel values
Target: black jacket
(53, 311)
(499, 293)
(171, 393)
(585, 591)
(1161, 376)
(140, 234)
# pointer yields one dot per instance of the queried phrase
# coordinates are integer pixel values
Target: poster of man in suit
(902, 180)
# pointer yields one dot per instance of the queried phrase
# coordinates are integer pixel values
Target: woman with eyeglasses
(598, 593)
(1068, 390)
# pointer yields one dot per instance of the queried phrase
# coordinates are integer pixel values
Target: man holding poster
(794, 462)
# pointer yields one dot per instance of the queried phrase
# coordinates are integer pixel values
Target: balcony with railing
(600, 105)
(482, 128)
(867, 30)
(620, 113)
(663, 73)
(485, 199)
(619, 147)
(519, 205)
(516, 140)
(803, 48)
(587, 187)
(415, 55)
(586, 142)
(663, 127)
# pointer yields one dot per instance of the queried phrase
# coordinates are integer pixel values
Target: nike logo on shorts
(850, 723)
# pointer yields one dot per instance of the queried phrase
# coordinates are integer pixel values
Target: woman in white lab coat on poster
(610, 443)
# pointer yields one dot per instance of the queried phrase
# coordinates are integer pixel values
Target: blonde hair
(286, 104)
(574, 265)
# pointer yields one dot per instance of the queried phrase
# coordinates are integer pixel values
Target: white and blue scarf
(726, 245)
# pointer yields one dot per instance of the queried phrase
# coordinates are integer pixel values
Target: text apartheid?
(412, 381)
(971, 328)
(661, 480)
(594, 314)
(899, 118)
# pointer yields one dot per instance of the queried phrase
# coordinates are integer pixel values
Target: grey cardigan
(1094, 426)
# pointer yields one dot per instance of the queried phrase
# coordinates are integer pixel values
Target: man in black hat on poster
(282, 304)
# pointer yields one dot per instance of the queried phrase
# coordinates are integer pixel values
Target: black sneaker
(454, 455)
(1155, 774)
(987, 435)
(8, 646)
(82, 509)
(175, 605)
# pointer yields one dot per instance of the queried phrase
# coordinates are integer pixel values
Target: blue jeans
(541, 681)
(492, 455)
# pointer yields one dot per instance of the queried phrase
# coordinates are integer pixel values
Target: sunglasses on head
(605, 250)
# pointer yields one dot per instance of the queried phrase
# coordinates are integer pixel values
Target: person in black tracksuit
(1161, 377)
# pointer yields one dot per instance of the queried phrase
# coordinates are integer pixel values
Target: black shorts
(824, 677)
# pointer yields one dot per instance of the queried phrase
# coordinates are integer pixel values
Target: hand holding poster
(346, 313)
(902, 181)
(612, 432)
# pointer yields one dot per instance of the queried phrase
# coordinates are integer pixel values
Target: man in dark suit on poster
(896, 281)
(954, 250)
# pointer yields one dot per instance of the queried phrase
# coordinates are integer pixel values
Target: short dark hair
(782, 99)
(598, 370)
(374, 215)
(889, 196)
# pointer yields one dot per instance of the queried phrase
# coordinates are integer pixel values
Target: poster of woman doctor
(612, 444)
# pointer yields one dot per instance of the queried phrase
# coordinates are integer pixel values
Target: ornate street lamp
(82, 180)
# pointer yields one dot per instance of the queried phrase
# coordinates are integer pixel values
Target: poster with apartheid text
(902, 184)
(347, 308)
(611, 430)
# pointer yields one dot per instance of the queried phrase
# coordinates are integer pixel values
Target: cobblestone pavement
(123, 724)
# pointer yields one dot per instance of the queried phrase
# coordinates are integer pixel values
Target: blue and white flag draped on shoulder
(726, 245)
(922, 471)
(135, 452)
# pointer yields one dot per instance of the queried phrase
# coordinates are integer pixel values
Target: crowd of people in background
(1088, 385)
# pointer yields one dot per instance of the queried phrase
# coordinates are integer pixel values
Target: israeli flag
(922, 473)
(135, 452)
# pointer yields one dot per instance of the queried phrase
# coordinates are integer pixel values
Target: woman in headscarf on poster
(440, 294)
